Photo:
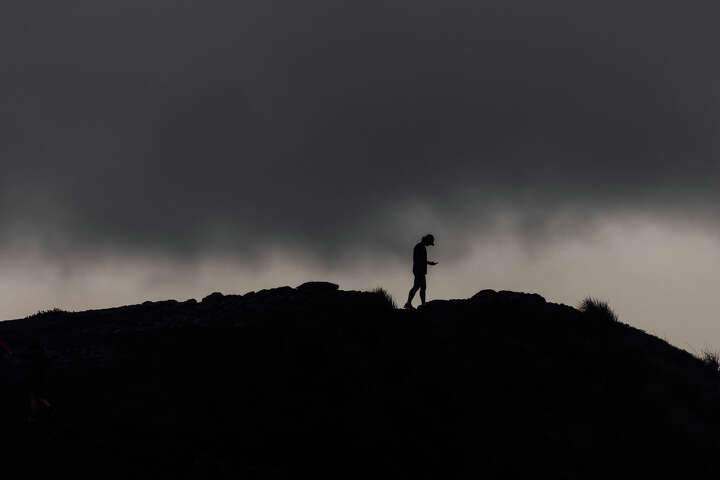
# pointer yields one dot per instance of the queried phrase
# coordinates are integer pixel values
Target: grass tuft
(46, 313)
(385, 296)
(598, 309)
(711, 359)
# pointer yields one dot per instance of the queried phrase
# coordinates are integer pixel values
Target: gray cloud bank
(162, 149)
(180, 126)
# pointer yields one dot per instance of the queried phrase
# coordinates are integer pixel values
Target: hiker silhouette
(420, 263)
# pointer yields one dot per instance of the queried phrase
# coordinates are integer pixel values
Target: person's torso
(420, 259)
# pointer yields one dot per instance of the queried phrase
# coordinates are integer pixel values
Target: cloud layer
(175, 126)
(146, 140)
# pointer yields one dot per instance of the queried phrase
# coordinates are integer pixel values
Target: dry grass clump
(46, 313)
(598, 309)
(711, 359)
(386, 296)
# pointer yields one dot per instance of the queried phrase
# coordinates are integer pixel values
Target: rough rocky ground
(317, 381)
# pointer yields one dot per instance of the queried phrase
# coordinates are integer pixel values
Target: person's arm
(432, 263)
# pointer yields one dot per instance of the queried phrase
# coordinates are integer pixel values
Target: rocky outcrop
(318, 287)
(288, 382)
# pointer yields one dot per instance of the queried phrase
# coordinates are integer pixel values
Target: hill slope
(316, 380)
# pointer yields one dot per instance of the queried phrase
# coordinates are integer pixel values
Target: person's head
(428, 239)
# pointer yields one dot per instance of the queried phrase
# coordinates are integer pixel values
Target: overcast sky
(164, 149)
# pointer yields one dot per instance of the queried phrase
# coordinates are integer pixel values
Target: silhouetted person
(420, 263)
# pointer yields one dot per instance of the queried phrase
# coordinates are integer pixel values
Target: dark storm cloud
(174, 126)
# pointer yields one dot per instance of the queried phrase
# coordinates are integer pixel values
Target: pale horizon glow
(659, 277)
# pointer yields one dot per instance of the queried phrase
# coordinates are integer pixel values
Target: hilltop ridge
(317, 380)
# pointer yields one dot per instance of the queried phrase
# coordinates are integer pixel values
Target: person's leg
(411, 295)
(422, 290)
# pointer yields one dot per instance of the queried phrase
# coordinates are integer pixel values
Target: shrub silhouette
(385, 296)
(711, 359)
(47, 313)
(598, 309)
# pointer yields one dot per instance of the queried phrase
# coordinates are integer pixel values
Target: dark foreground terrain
(317, 382)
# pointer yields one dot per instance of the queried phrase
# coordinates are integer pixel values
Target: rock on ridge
(318, 287)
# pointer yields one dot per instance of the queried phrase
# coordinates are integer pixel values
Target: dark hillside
(318, 381)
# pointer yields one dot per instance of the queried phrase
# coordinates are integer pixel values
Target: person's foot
(409, 306)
